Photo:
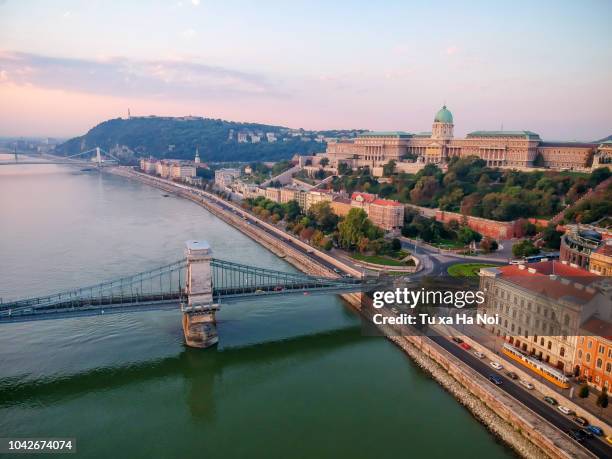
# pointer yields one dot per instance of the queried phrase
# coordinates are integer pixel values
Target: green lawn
(467, 269)
(448, 244)
(377, 259)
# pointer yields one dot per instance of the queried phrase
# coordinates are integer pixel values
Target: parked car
(512, 375)
(550, 400)
(495, 380)
(526, 385)
(457, 340)
(565, 410)
(581, 421)
(596, 430)
(466, 346)
(577, 435)
(609, 439)
(496, 365)
(478, 354)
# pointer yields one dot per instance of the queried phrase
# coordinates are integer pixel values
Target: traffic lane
(303, 250)
(551, 414)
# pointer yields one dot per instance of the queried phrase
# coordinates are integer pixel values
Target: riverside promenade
(512, 421)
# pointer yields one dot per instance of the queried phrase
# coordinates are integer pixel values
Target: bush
(602, 400)
(583, 391)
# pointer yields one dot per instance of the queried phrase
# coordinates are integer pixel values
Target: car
(512, 375)
(457, 340)
(565, 410)
(526, 385)
(577, 435)
(596, 430)
(495, 380)
(496, 365)
(336, 270)
(278, 288)
(478, 354)
(550, 400)
(581, 421)
(587, 433)
(466, 346)
(609, 439)
(259, 290)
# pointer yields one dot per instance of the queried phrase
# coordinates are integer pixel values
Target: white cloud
(120, 76)
(195, 2)
(188, 33)
(453, 49)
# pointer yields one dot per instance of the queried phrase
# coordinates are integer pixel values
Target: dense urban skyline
(65, 66)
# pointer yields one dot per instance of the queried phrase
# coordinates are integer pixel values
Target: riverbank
(523, 430)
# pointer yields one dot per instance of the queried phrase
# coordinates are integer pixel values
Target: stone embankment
(523, 430)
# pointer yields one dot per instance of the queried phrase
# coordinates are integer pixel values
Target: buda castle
(511, 149)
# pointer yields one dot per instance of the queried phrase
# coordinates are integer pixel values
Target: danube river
(291, 378)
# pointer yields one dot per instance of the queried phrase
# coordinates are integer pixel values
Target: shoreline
(515, 429)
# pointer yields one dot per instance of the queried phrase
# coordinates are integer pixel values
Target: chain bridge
(198, 283)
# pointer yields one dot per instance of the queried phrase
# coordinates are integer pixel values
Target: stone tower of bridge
(199, 324)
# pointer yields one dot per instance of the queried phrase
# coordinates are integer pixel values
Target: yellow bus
(551, 374)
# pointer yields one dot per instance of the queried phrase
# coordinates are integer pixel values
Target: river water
(291, 377)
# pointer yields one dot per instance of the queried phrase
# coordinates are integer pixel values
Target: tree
(323, 216)
(343, 168)
(602, 399)
(488, 245)
(552, 237)
(599, 175)
(324, 162)
(467, 235)
(583, 391)
(389, 168)
(424, 190)
(524, 248)
(353, 228)
(396, 244)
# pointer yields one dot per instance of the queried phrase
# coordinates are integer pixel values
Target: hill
(605, 139)
(218, 140)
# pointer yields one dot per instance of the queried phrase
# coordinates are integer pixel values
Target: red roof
(540, 281)
(598, 327)
(387, 202)
(367, 197)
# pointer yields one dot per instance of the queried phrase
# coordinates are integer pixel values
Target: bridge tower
(98, 157)
(199, 324)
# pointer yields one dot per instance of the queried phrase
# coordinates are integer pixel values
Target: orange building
(594, 353)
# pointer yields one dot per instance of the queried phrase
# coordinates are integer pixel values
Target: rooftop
(526, 134)
(398, 134)
(387, 203)
(551, 279)
(367, 197)
(598, 327)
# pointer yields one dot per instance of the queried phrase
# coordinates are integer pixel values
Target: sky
(545, 66)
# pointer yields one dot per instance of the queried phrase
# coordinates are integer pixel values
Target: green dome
(443, 116)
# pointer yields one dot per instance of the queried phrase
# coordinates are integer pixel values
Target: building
(242, 137)
(513, 149)
(341, 206)
(180, 171)
(196, 160)
(225, 177)
(584, 246)
(387, 214)
(315, 196)
(271, 137)
(255, 138)
(384, 213)
(291, 193)
(541, 307)
(148, 165)
(593, 360)
(273, 194)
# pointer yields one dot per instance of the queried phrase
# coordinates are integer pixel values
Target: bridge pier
(199, 324)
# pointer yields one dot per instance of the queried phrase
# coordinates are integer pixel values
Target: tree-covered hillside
(165, 137)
